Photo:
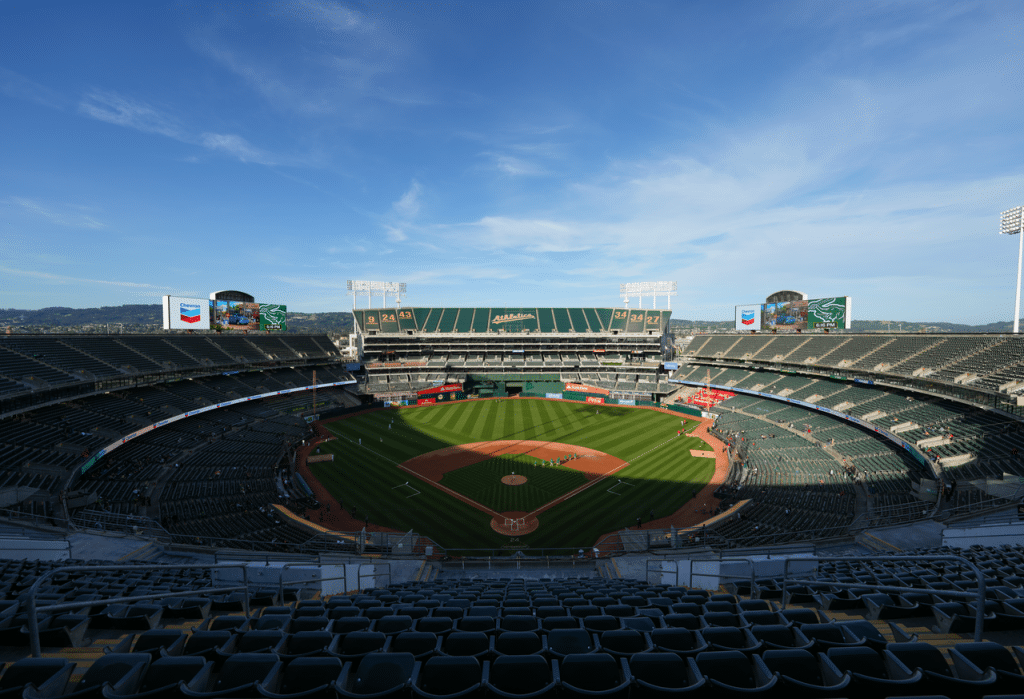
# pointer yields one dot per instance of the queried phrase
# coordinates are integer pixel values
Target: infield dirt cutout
(432, 466)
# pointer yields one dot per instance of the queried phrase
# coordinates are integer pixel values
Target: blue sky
(513, 153)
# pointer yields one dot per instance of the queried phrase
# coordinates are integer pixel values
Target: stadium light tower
(396, 288)
(653, 289)
(1012, 223)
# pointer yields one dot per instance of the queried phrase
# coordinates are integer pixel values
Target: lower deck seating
(524, 637)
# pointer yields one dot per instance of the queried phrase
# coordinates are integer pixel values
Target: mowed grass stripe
(369, 491)
(482, 482)
(663, 479)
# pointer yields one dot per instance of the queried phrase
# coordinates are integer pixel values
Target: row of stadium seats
(33, 361)
(988, 361)
(521, 637)
(511, 320)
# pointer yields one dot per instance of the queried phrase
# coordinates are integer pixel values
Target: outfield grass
(482, 482)
(662, 472)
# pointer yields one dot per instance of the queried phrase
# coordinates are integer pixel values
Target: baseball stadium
(470, 492)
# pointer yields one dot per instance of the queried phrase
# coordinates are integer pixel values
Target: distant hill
(864, 326)
(141, 318)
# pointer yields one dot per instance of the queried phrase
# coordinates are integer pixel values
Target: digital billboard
(273, 316)
(813, 314)
(234, 315)
(785, 314)
(829, 313)
(748, 317)
(185, 314)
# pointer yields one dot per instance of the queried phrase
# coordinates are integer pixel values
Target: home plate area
(514, 523)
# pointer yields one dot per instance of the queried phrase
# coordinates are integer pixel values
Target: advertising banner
(447, 388)
(748, 317)
(624, 401)
(182, 313)
(594, 399)
(580, 388)
(425, 401)
(553, 395)
(671, 366)
(828, 313)
(273, 316)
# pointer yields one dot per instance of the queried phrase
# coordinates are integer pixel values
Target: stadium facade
(929, 424)
(509, 351)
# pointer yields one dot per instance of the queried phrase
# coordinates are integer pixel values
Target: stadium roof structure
(511, 320)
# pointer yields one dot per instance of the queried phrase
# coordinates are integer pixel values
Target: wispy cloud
(329, 16)
(532, 235)
(312, 282)
(513, 165)
(59, 215)
(350, 64)
(119, 110)
(237, 147)
(395, 235)
(63, 279)
(123, 111)
(19, 87)
(408, 206)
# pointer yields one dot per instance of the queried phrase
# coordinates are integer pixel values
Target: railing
(899, 513)
(988, 503)
(521, 563)
(32, 611)
(978, 595)
(344, 576)
(13, 546)
(19, 517)
(136, 525)
(691, 575)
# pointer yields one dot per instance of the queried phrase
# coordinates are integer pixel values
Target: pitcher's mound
(514, 479)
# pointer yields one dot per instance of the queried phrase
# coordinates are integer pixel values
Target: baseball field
(513, 472)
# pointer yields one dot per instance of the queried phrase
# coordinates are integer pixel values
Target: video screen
(273, 316)
(787, 314)
(234, 315)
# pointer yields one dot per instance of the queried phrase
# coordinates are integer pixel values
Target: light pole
(1012, 223)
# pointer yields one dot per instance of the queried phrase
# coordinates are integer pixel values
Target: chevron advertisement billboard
(182, 313)
(748, 317)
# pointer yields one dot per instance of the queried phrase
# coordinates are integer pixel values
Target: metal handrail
(62, 545)
(979, 594)
(709, 560)
(343, 576)
(31, 610)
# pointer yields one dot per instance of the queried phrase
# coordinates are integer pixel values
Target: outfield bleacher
(512, 320)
